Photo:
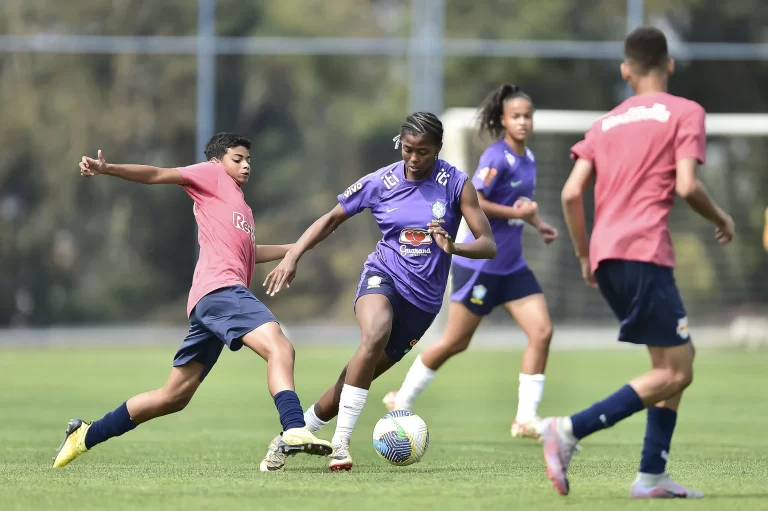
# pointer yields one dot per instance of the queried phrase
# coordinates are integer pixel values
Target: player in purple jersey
(505, 182)
(418, 204)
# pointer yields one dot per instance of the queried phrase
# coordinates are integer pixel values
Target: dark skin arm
(484, 246)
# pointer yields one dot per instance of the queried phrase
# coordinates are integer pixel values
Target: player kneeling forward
(639, 155)
(221, 309)
(418, 204)
(505, 181)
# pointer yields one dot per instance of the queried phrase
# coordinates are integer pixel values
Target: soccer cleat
(390, 400)
(340, 459)
(558, 449)
(73, 444)
(527, 429)
(301, 440)
(274, 460)
(651, 486)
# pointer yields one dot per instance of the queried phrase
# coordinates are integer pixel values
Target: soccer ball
(401, 437)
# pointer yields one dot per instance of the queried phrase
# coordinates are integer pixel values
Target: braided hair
(492, 108)
(422, 123)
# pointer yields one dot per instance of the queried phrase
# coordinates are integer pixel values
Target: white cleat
(274, 460)
(527, 429)
(661, 486)
(390, 400)
(340, 458)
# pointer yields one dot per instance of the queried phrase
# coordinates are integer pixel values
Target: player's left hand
(547, 232)
(93, 167)
(283, 273)
(586, 272)
(442, 238)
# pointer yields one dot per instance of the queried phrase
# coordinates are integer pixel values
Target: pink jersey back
(225, 230)
(635, 149)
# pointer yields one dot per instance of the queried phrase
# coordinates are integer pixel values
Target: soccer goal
(717, 284)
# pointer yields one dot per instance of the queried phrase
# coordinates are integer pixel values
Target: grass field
(207, 456)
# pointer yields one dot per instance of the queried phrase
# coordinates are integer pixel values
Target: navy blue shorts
(481, 292)
(409, 324)
(645, 299)
(221, 317)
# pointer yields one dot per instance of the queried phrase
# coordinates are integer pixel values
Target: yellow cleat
(73, 444)
(301, 440)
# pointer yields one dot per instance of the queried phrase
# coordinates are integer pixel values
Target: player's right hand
(586, 272)
(283, 273)
(527, 209)
(724, 233)
(90, 167)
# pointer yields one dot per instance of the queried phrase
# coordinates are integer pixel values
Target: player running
(505, 182)
(221, 309)
(640, 154)
(418, 204)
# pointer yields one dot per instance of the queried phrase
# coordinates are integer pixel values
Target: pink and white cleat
(390, 400)
(660, 486)
(559, 445)
(527, 429)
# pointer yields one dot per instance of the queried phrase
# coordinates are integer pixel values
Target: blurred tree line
(101, 250)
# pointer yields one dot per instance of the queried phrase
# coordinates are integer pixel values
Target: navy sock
(604, 414)
(658, 438)
(289, 408)
(113, 424)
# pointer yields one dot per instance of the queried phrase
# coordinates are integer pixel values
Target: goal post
(712, 282)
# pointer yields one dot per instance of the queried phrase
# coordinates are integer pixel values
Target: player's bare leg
(461, 326)
(652, 479)
(319, 414)
(374, 315)
(672, 373)
(270, 343)
(532, 314)
(172, 397)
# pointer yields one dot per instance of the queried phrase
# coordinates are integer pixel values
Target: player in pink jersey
(639, 155)
(221, 309)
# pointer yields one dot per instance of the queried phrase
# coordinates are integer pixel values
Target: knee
(457, 345)
(280, 349)
(374, 336)
(542, 335)
(681, 378)
(175, 400)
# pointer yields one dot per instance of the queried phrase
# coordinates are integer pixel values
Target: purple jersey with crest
(403, 208)
(504, 177)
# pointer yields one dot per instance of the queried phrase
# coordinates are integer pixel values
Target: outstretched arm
(144, 174)
(285, 272)
(267, 253)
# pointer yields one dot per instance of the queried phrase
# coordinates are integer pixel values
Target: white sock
(350, 406)
(416, 381)
(314, 423)
(529, 396)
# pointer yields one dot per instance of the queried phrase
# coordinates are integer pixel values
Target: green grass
(207, 456)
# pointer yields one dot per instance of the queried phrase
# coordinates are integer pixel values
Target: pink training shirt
(635, 149)
(225, 230)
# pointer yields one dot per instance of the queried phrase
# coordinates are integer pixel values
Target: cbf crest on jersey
(438, 211)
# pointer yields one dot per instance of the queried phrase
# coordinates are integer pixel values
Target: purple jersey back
(402, 209)
(504, 177)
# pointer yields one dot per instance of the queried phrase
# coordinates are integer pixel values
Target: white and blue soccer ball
(401, 438)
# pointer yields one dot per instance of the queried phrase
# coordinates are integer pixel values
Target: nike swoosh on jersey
(390, 210)
(515, 184)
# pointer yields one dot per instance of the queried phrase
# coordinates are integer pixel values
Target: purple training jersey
(403, 208)
(504, 177)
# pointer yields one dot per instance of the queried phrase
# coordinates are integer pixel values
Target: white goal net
(725, 289)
